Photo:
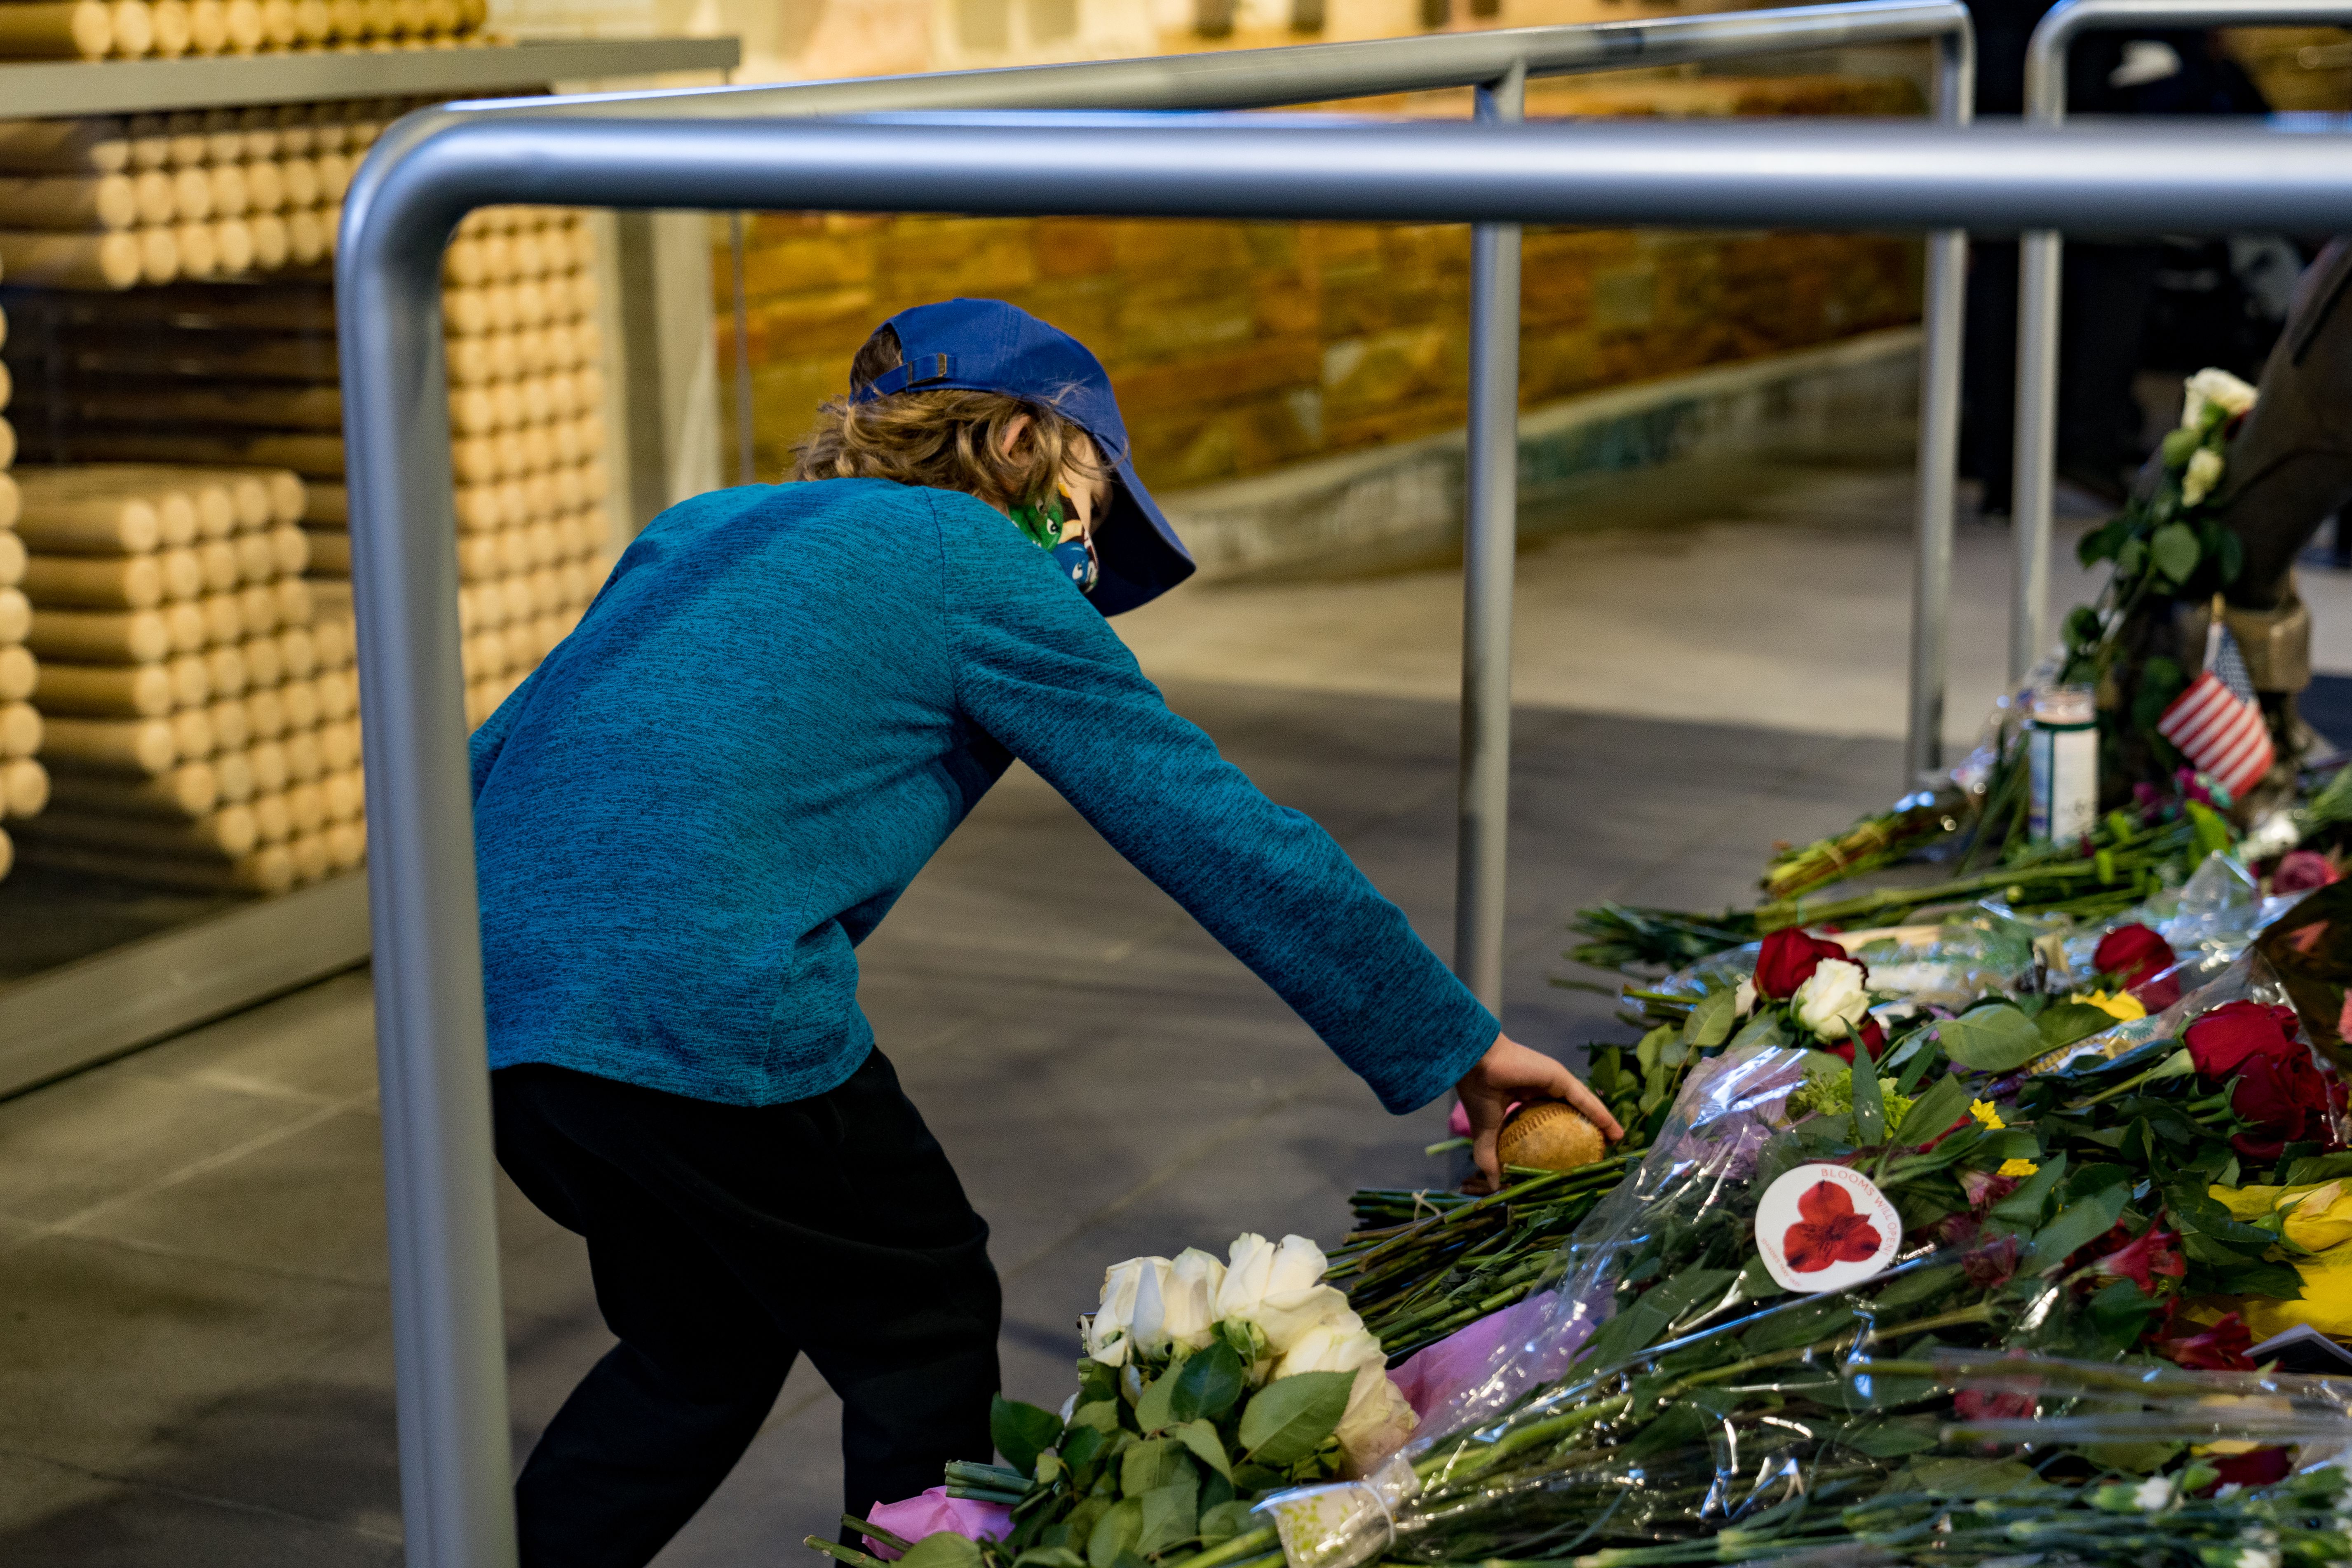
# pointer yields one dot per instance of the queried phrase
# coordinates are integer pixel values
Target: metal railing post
(1490, 542)
(2041, 276)
(1940, 356)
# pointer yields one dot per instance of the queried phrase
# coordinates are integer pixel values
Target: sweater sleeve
(1039, 669)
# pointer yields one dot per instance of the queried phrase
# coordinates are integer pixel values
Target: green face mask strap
(1042, 524)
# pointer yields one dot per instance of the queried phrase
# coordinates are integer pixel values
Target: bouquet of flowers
(1205, 1385)
(1830, 1285)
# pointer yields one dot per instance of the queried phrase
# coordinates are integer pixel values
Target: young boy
(781, 703)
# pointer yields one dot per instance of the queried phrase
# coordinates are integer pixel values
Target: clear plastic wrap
(1666, 1401)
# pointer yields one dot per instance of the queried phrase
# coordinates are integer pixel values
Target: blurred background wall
(1243, 351)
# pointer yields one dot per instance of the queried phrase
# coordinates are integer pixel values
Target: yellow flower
(2020, 1168)
(2123, 1005)
(2326, 1303)
(2318, 1213)
(2321, 1219)
(1983, 1111)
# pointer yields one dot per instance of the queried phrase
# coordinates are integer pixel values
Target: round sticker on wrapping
(1826, 1228)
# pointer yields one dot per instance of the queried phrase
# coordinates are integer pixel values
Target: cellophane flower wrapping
(1668, 1402)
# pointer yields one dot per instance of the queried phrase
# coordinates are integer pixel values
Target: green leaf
(2077, 1224)
(2319, 1168)
(2120, 1314)
(2023, 1206)
(1150, 1466)
(944, 1550)
(2072, 1020)
(1208, 1384)
(1170, 1513)
(1022, 1432)
(1636, 1324)
(1224, 1522)
(1992, 1039)
(1114, 1533)
(1945, 1102)
(1764, 1029)
(1102, 1414)
(2174, 550)
(1080, 1444)
(1201, 1438)
(1801, 1323)
(1682, 1425)
(1049, 1557)
(1289, 1418)
(1890, 1436)
(1869, 1103)
(1152, 1411)
(1969, 1477)
(1710, 1020)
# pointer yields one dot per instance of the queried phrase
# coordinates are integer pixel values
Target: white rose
(1249, 1264)
(2204, 471)
(1743, 1000)
(1332, 1347)
(1378, 1421)
(1831, 1001)
(1189, 1299)
(1279, 1290)
(1110, 1330)
(2210, 390)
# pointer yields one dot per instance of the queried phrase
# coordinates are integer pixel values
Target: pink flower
(2142, 1259)
(2301, 870)
(2221, 1348)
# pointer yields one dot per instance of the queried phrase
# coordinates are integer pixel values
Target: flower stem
(840, 1554)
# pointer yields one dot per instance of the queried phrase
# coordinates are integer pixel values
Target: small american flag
(2217, 723)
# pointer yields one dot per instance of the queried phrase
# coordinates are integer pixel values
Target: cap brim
(1140, 556)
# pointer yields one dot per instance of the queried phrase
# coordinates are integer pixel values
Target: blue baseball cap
(987, 345)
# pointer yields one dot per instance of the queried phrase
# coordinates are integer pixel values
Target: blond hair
(950, 439)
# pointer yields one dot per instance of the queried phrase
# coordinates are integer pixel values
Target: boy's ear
(1012, 434)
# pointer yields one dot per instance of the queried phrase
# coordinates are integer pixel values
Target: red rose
(2138, 958)
(2223, 1040)
(2262, 1467)
(1830, 1232)
(1789, 959)
(1870, 1035)
(2221, 1348)
(2301, 870)
(2284, 1098)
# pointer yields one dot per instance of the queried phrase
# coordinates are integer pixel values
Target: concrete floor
(195, 1358)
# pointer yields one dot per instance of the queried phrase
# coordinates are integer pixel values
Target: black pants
(725, 1240)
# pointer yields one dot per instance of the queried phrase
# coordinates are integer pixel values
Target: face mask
(1075, 557)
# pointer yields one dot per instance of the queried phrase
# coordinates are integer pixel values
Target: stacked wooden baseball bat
(129, 29)
(23, 782)
(110, 203)
(200, 716)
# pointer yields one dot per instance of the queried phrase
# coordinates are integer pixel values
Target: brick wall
(1237, 348)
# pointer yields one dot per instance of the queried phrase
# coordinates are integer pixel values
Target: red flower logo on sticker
(1830, 1232)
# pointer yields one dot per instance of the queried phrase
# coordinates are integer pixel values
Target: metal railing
(2041, 258)
(1498, 65)
(432, 169)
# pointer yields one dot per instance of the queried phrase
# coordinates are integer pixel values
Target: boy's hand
(1510, 1073)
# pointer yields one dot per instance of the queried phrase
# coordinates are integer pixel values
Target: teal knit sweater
(781, 703)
